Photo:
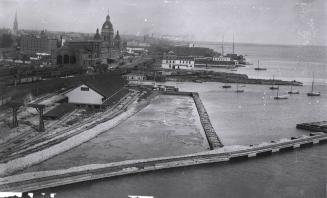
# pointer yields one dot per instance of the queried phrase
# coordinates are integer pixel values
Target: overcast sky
(252, 21)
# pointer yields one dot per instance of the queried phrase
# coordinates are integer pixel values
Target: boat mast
(233, 45)
(313, 79)
(258, 64)
(222, 47)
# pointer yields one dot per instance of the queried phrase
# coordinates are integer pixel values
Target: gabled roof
(105, 84)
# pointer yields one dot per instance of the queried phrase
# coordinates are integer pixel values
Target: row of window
(182, 61)
(177, 66)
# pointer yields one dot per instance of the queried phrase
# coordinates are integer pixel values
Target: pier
(211, 135)
(213, 139)
(48, 179)
(313, 126)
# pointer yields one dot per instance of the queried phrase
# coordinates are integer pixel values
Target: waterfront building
(134, 77)
(98, 91)
(32, 43)
(172, 61)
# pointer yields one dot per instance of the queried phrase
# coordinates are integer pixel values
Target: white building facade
(84, 95)
(171, 61)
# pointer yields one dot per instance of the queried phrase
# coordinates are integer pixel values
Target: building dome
(107, 24)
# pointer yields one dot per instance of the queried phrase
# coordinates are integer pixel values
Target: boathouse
(98, 91)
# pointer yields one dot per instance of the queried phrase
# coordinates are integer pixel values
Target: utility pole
(39, 108)
(233, 45)
(222, 47)
(14, 106)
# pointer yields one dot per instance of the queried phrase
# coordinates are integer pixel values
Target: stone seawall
(212, 137)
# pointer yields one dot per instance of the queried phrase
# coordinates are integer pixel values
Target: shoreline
(224, 77)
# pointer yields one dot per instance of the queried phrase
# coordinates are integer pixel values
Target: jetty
(211, 135)
(313, 126)
(29, 182)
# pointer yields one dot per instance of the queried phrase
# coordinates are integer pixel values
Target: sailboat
(238, 90)
(273, 84)
(312, 93)
(258, 68)
(278, 97)
(293, 91)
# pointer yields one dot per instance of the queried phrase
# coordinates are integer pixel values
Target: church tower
(15, 27)
(107, 31)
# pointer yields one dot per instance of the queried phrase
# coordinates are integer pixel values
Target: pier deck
(313, 126)
(48, 179)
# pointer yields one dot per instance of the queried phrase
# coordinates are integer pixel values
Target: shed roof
(105, 84)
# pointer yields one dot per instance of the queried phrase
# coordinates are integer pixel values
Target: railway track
(38, 143)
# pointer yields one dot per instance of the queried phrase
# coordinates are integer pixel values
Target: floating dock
(48, 179)
(313, 126)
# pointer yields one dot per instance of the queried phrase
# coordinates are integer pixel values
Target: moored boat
(312, 93)
(278, 97)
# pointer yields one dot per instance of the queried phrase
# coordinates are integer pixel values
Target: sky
(299, 22)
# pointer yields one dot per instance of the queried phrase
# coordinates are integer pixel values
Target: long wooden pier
(48, 179)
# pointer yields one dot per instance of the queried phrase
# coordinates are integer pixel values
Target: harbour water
(246, 118)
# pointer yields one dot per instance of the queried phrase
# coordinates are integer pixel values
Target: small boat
(260, 68)
(233, 69)
(238, 90)
(293, 91)
(312, 93)
(278, 97)
(273, 85)
(226, 86)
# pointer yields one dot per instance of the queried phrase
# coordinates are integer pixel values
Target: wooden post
(15, 106)
(39, 108)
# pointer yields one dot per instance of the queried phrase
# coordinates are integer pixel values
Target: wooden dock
(43, 180)
(313, 126)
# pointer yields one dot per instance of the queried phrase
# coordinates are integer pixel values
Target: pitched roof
(105, 84)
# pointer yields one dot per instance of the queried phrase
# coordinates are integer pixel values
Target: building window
(66, 59)
(84, 89)
(59, 59)
(72, 60)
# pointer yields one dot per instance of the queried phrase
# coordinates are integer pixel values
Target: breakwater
(211, 135)
(46, 179)
(213, 139)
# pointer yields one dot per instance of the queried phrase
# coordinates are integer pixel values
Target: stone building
(104, 48)
(31, 43)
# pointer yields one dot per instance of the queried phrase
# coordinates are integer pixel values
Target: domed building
(104, 48)
(111, 46)
(107, 31)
